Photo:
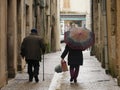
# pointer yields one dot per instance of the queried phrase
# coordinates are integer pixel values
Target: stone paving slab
(20, 82)
(91, 77)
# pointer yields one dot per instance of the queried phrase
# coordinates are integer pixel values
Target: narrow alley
(52, 19)
(91, 76)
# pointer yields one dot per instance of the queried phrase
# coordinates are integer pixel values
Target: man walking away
(32, 48)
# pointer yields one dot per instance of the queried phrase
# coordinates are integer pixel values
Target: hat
(34, 30)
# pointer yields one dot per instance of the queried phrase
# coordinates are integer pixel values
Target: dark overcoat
(75, 56)
(32, 47)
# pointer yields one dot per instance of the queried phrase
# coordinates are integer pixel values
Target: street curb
(56, 82)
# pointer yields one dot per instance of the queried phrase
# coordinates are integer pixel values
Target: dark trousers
(74, 70)
(33, 67)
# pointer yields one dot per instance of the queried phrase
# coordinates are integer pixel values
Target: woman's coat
(75, 56)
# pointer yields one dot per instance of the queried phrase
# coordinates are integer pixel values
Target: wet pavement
(91, 76)
(21, 80)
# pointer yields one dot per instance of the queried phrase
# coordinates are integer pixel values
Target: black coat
(32, 47)
(75, 57)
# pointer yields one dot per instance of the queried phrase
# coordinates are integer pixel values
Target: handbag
(58, 68)
(64, 66)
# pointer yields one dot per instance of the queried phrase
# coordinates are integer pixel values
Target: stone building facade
(17, 17)
(106, 25)
(3, 42)
(74, 14)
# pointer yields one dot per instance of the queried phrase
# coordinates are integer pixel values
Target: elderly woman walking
(77, 39)
(75, 59)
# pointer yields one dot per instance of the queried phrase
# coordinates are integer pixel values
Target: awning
(83, 19)
(73, 17)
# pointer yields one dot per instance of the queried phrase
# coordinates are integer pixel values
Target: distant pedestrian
(75, 59)
(32, 48)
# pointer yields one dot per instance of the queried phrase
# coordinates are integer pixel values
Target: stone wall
(107, 35)
(17, 18)
(3, 44)
(118, 39)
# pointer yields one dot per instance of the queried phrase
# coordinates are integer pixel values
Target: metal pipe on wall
(105, 36)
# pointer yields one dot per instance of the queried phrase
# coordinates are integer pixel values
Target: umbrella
(79, 38)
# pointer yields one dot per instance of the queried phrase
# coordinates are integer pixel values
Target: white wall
(78, 5)
(81, 6)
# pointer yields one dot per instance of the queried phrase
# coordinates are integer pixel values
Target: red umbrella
(79, 38)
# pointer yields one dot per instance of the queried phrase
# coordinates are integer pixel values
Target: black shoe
(36, 79)
(75, 80)
(71, 79)
(30, 78)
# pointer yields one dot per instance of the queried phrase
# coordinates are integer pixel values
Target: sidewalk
(91, 77)
(21, 80)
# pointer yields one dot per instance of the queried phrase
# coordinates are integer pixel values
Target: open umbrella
(79, 38)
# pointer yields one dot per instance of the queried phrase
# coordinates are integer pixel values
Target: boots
(36, 78)
(30, 78)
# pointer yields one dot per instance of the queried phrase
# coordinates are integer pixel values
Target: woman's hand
(62, 60)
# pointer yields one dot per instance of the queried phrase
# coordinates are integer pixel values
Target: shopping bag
(64, 66)
(58, 68)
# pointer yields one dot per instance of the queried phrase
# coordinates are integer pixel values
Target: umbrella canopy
(79, 38)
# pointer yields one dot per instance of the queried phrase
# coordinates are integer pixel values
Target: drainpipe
(35, 14)
(42, 7)
(105, 35)
(92, 23)
(92, 52)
